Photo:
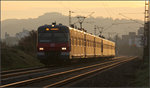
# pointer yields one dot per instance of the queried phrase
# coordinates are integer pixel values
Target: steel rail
(56, 74)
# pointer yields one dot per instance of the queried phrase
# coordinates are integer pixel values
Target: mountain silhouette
(121, 26)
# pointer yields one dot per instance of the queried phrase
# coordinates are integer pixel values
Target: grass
(142, 75)
(15, 59)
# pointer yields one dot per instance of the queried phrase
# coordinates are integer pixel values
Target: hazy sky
(33, 9)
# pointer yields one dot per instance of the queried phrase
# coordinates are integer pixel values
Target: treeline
(28, 43)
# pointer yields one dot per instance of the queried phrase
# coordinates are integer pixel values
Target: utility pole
(146, 30)
(95, 30)
(70, 17)
(100, 31)
(116, 44)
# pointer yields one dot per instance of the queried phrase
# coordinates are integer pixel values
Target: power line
(80, 20)
(130, 19)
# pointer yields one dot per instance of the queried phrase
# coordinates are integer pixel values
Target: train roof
(57, 26)
(89, 34)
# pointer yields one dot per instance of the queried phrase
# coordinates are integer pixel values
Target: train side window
(72, 41)
(86, 43)
(76, 41)
(104, 46)
(79, 41)
(96, 44)
(90, 43)
(83, 42)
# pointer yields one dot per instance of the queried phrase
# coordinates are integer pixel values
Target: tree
(28, 43)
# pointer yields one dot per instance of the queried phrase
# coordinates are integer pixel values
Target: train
(60, 43)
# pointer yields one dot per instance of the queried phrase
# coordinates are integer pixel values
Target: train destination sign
(54, 29)
(47, 29)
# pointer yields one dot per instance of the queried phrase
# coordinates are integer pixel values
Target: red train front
(53, 43)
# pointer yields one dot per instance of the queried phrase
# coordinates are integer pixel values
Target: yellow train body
(85, 45)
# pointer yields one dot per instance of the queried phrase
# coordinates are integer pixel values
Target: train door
(85, 45)
(94, 45)
(102, 47)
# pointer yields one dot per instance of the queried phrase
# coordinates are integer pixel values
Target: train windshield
(53, 37)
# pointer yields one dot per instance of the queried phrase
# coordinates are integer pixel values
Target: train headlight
(41, 48)
(63, 48)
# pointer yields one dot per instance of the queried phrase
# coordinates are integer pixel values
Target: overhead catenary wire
(130, 19)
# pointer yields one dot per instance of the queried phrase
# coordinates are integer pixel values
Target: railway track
(19, 72)
(22, 72)
(60, 78)
(87, 72)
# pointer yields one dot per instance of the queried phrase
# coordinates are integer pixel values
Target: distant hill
(13, 26)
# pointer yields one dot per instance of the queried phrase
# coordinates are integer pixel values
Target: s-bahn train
(59, 43)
